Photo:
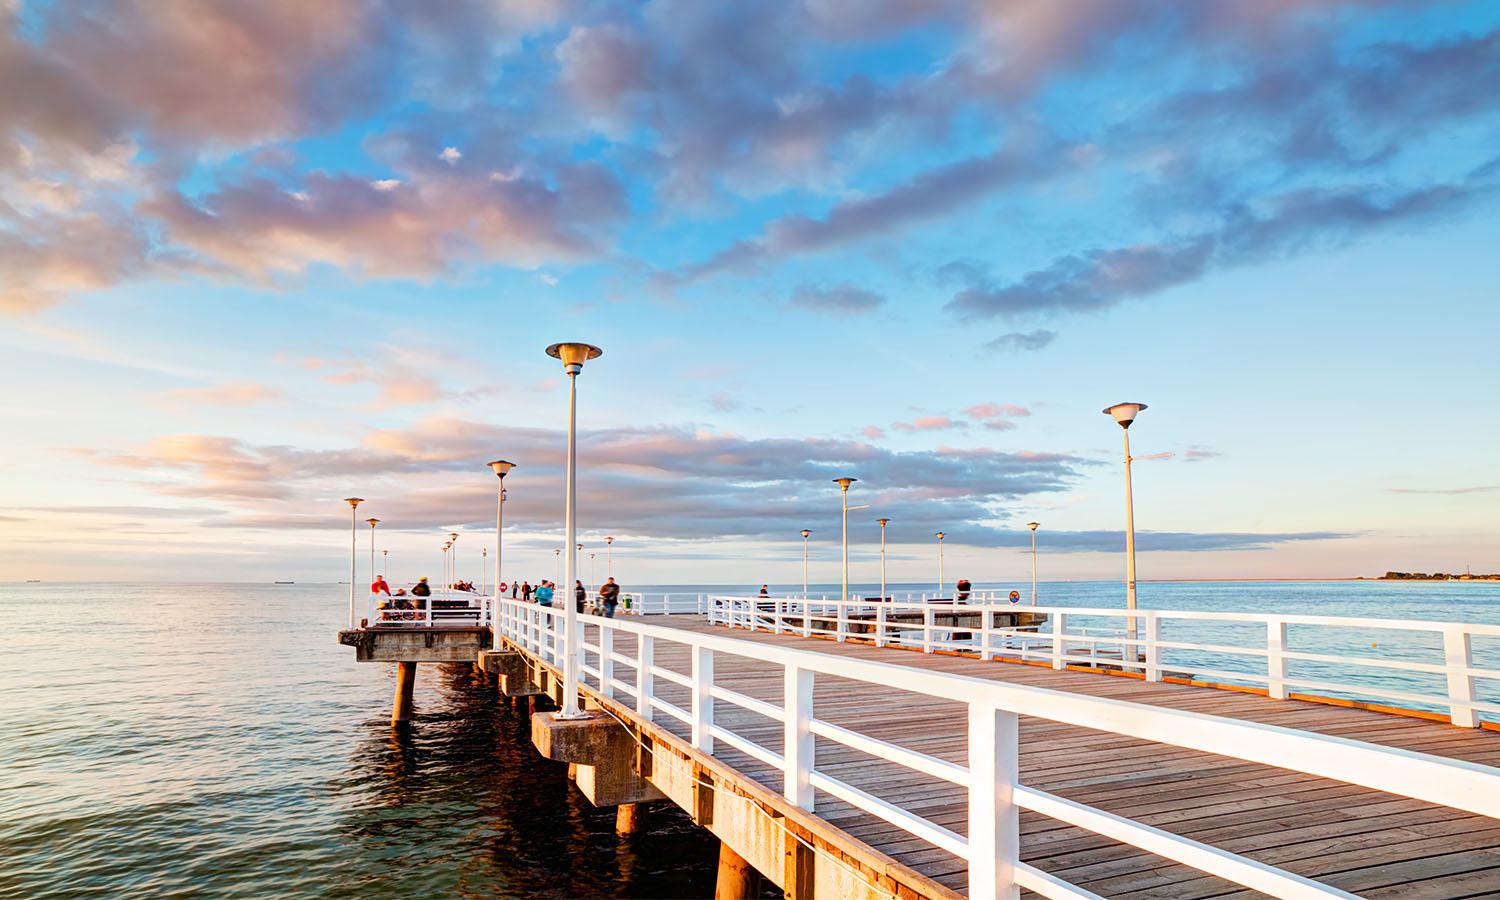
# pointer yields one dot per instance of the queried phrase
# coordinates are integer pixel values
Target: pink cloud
(929, 423)
(997, 411)
(873, 432)
(233, 393)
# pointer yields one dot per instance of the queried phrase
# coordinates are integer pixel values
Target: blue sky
(255, 258)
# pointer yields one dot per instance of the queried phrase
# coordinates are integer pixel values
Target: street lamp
(557, 558)
(354, 503)
(573, 355)
(372, 523)
(1033, 527)
(593, 572)
(484, 553)
(940, 536)
(1125, 413)
(609, 557)
(501, 468)
(446, 581)
(843, 484)
(883, 523)
(453, 564)
(805, 533)
(385, 562)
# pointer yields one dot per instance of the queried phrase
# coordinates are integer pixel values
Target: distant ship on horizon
(283, 582)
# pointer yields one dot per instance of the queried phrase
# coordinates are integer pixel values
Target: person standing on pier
(609, 597)
(544, 594)
(514, 587)
(526, 591)
(580, 594)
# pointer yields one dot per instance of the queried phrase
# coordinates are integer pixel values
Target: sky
(260, 256)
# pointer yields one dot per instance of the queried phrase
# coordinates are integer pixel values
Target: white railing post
(779, 606)
(1152, 632)
(843, 622)
(994, 824)
(703, 699)
(700, 602)
(986, 630)
(928, 623)
(1276, 659)
(797, 736)
(1458, 656)
(1058, 646)
(880, 624)
(806, 618)
(607, 661)
(645, 682)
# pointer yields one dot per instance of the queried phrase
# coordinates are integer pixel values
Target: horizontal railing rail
(1431, 666)
(988, 773)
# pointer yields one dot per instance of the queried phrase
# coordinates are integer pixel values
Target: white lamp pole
(1125, 413)
(609, 557)
(446, 545)
(500, 467)
(843, 484)
(1033, 526)
(557, 558)
(354, 503)
(573, 356)
(372, 523)
(940, 536)
(385, 562)
(883, 523)
(805, 533)
(484, 564)
(593, 573)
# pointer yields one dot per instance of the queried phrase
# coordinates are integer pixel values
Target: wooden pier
(1112, 791)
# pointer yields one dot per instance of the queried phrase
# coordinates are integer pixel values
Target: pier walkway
(911, 774)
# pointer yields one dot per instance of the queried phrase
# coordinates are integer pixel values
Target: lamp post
(385, 563)
(500, 467)
(593, 573)
(843, 484)
(453, 563)
(573, 356)
(1033, 527)
(883, 523)
(940, 536)
(805, 533)
(354, 503)
(1125, 413)
(484, 563)
(372, 523)
(609, 557)
(446, 546)
(557, 558)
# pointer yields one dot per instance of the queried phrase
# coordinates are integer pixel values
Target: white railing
(1418, 664)
(989, 774)
(638, 604)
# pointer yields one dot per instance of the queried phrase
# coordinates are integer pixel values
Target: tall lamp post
(805, 534)
(593, 573)
(1033, 526)
(501, 468)
(453, 560)
(609, 557)
(940, 536)
(446, 546)
(372, 522)
(385, 562)
(572, 355)
(557, 558)
(484, 564)
(843, 484)
(354, 503)
(883, 523)
(1125, 413)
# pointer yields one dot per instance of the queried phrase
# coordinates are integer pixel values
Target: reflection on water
(214, 740)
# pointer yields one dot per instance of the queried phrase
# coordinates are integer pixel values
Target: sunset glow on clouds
(259, 256)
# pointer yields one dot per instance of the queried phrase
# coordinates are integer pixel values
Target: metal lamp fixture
(843, 484)
(372, 522)
(1033, 526)
(609, 557)
(354, 503)
(805, 534)
(1125, 414)
(501, 468)
(883, 523)
(572, 355)
(940, 536)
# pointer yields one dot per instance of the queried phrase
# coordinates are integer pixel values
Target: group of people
(407, 603)
(605, 603)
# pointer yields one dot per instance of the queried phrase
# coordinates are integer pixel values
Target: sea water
(215, 740)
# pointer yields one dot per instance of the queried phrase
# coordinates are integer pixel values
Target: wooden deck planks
(1354, 838)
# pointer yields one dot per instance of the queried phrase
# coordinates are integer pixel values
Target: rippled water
(215, 740)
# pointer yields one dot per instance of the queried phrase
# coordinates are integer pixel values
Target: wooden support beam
(737, 879)
(406, 682)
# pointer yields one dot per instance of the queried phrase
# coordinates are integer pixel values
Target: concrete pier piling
(406, 682)
(628, 818)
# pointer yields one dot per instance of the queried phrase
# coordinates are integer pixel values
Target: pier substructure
(602, 752)
(737, 879)
(406, 683)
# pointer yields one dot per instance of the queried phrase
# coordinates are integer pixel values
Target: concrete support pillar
(406, 682)
(628, 818)
(737, 879)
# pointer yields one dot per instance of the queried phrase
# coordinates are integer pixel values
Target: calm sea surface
(214, 740)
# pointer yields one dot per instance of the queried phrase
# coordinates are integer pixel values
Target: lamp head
(609, 540)
(941, 535)
(844, 482)
(805, 533)
(453, 536)
(354, 501)
(883, 522)
(1033, 525)
(580, 546)
(501, 467)
(573, 355)
(1124, 413)
(372, 522)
